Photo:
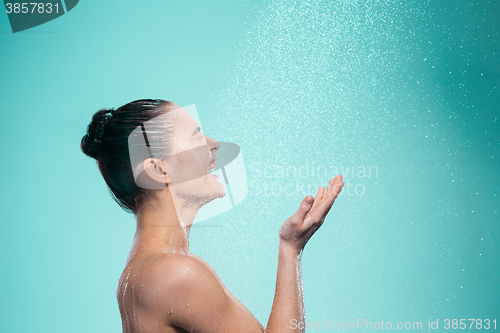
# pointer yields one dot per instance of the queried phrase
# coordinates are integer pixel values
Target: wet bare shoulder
(181, 288)
(182, 292)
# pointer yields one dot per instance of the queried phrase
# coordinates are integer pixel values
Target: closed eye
(198, 130)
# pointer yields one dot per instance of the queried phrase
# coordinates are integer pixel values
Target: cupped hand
(299, 227)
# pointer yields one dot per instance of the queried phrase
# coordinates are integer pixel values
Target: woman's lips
(212, 164)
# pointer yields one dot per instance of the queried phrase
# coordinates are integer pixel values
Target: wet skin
(165, 288)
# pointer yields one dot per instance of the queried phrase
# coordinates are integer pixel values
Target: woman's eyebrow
(196, 130)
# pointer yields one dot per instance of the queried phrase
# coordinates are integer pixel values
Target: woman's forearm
(288, 306)
(287, 313)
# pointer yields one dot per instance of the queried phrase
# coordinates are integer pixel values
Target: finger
(323, 207)
(318, 214)
(319, 196)
(335, 186)
(330, 185)
(305, 207)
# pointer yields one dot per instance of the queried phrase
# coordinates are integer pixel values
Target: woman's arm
(288, 307)
(288, 298)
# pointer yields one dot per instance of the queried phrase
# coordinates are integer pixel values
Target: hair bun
(91, 144)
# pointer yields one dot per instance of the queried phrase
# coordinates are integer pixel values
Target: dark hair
(107, 142)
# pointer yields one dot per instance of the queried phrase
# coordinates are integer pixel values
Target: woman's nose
(213, 144)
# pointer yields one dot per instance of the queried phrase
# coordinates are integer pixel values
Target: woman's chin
(222, 192)
(218, 191)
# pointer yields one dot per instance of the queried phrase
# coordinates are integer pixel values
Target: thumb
(305, 207)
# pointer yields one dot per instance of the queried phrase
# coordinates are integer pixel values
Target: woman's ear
(156, 170)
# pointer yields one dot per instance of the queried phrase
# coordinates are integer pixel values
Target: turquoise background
(408, 88)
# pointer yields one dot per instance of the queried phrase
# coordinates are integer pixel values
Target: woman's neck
(162, 226)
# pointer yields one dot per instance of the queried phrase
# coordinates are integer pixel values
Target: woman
(164, 287)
